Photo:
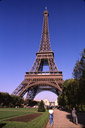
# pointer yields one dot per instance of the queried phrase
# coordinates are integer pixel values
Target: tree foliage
(41, 107)
(17, 101)
(7, 100)
(79, 71)
(73, 92)
(79, 68)
(69, 94)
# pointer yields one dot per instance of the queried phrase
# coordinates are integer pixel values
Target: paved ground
(63, 119)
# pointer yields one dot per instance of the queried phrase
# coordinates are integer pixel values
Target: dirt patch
(25, 118)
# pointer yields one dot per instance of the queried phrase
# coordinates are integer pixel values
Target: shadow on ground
(81, 118)
(2, 125)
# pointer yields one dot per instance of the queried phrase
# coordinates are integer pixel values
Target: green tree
(17, 101)
(82, 79)
(79, 68)
(5, 99)
(79, 74)
(69, 94)
(41, 107)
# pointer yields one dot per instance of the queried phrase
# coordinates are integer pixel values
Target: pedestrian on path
(51, 116)
(74, 116)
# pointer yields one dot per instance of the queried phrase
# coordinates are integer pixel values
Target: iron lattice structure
(38, 80)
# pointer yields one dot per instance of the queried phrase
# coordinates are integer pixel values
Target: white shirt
(50, 111)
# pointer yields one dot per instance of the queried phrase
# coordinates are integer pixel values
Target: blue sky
(20, 35)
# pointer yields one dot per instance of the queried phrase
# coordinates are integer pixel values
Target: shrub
(41, 107)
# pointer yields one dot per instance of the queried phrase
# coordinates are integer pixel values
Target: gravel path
(63, 119)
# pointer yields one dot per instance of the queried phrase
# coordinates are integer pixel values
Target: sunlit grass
(12, 112)
(6, 113)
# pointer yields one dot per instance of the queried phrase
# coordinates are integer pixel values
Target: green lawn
(13, 112)
(6, 113)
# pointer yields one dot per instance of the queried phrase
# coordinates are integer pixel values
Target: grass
(13, 112)
(39, 122)
(6, 113)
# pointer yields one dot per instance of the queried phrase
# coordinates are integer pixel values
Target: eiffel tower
(37, 79)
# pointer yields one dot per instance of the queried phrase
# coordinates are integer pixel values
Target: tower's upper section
(45, 42)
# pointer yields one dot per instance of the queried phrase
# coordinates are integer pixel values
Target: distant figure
(51, 116)
(74, 116)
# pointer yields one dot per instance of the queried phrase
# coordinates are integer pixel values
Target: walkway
(62, 119)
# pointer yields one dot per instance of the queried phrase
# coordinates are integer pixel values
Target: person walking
(51, 116)
(74, 116)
